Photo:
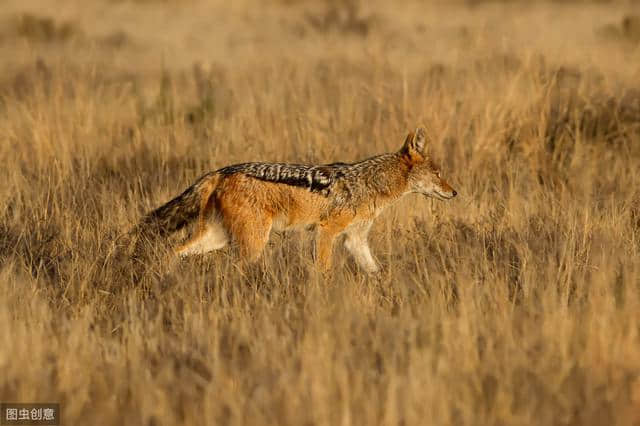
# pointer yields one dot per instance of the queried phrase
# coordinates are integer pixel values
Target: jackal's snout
(444, 190)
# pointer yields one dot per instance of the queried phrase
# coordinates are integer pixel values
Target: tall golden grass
(516, 303)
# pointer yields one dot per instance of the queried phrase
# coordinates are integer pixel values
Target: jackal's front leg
(324, 247)
(357, 244)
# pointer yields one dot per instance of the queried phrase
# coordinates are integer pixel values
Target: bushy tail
(180, 211)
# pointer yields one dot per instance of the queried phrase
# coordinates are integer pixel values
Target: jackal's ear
(416, 141)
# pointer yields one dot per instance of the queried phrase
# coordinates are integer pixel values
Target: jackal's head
(424, 175)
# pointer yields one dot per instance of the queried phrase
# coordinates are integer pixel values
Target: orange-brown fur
(242, 203)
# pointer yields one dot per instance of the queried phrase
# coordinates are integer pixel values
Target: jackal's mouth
(444, 197)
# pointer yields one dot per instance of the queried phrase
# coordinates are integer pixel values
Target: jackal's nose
(455, 192)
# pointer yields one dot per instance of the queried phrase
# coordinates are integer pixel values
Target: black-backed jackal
(242, 203)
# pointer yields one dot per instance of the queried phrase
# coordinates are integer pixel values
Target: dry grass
(516, 303)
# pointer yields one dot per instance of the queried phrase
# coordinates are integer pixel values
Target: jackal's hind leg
(211, 237)
(251, 235)
(356, 243)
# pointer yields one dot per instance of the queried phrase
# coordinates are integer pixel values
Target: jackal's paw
(372, 268)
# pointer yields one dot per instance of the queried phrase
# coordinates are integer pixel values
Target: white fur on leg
(214, 238)
(358, 246)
